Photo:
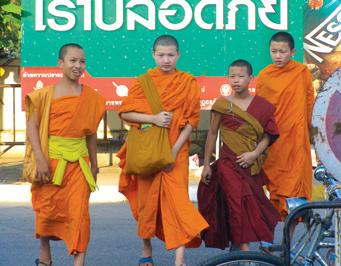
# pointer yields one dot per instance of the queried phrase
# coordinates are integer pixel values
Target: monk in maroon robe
(231, 196)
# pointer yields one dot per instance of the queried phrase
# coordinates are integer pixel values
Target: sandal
(145, 260)
(39, 262)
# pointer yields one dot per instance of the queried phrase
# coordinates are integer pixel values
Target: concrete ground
(14, 189)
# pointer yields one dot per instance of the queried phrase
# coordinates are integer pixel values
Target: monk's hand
(206, 174)
(43, 174)
(246, 159)
(163, 119)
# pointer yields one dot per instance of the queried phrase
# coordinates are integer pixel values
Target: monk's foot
(180, 256)
(39, 262)
(244, 246)
(146, 261)
(79, 259)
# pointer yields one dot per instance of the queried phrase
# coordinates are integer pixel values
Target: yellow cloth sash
(70, 150)
(246, 137)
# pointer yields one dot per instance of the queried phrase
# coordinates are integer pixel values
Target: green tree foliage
(10, 28)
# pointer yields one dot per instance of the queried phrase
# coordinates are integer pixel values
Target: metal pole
(105, 122)
(14, 129)
(11, 144)
(337, 237)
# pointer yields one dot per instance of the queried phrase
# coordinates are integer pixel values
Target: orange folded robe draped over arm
(161, 204)
(62, 211)
(288, 164)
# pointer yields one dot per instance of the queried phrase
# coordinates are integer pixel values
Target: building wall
(11, 111)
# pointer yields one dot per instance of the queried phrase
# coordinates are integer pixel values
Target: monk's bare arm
(162, 119)
(42, 167)
(91, 142)
(210, 146)
(183, 137)
(262, 145)
(247, 158)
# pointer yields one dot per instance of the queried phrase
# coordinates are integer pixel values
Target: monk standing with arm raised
(160, 203)
(287, 84)
(61, 128)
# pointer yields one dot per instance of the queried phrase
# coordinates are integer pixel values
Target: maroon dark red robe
(234, 203)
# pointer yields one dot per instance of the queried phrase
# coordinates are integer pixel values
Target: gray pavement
(14, 189)
(113, 239)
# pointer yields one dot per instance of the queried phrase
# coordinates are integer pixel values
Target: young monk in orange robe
(160, 203)
(230, 194)
(287, 84)
(61, 128)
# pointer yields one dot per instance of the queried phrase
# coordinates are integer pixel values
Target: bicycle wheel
(246, 258)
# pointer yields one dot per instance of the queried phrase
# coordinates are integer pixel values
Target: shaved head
(283, 37)
(166, 40)
(63, 49)
(242, 63)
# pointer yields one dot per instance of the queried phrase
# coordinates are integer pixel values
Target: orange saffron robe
(62, 212)
(289, 165)
(161, 204)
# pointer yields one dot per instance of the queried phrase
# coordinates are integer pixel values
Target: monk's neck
(160, 72)
(69, 87)
(242, 96)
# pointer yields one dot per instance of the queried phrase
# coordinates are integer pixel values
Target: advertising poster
(322, 54)
(118, 35)
(322, 39)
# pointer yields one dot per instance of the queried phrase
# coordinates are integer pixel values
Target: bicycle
(306, 250)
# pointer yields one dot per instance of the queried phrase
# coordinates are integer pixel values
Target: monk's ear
(60, 63)
(293, 52)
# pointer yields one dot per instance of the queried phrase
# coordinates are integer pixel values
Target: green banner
(118, 35)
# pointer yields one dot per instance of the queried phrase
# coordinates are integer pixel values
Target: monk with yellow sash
(160, 203)
(61, 148)
(230, 194)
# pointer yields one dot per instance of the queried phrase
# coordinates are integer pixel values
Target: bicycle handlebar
(336, 204)
(334, 195)
(333, 189)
